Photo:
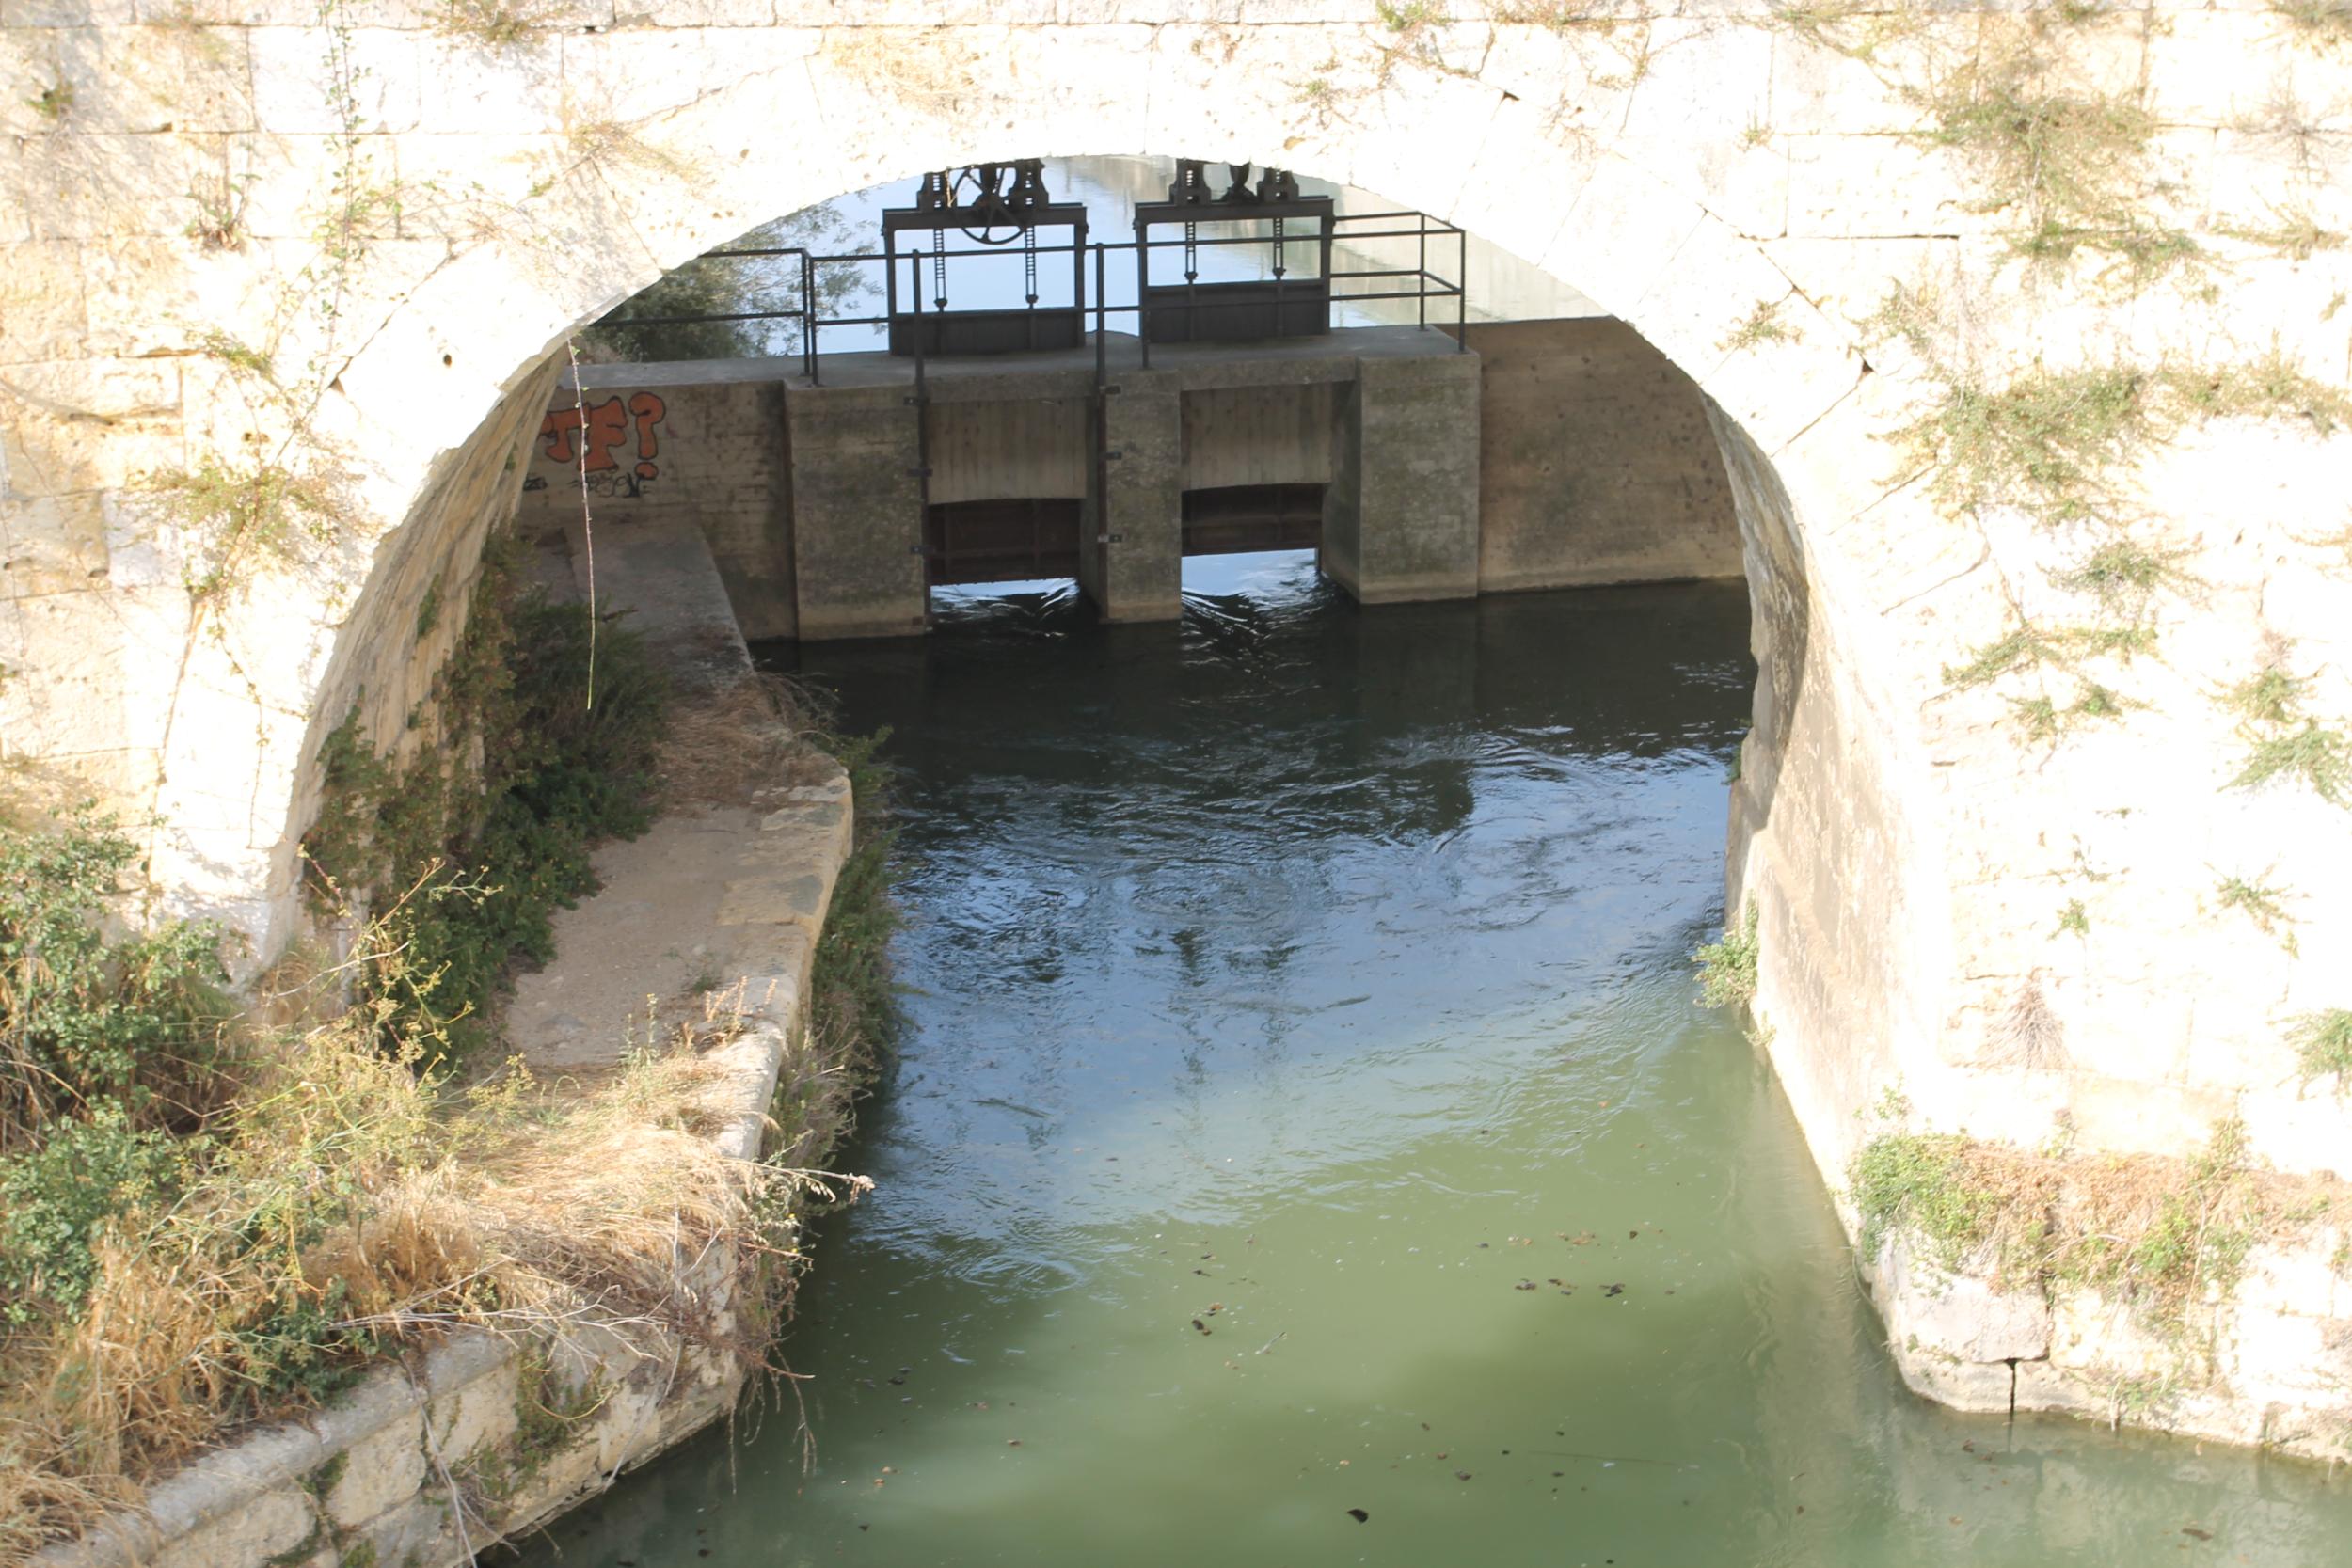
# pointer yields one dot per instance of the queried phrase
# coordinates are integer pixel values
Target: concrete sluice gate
(1549, 453)
(1029, 437)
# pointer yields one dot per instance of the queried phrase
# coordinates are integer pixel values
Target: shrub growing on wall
(90, 1020)
(548, 730)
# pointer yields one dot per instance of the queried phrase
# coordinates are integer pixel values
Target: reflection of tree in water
(735, 285)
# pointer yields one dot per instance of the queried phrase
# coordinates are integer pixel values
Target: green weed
(2284, 742)
(245, 513)
(2028, 648)
(2122, 574)
(1760, 326)
(2296, 235)
(1728, 967)
(2323, 21)
(90, 1020)
(53, 102)
(1921, 1182)
(468, 871)
(58, 1195)
(2323, 1045)
(2158, 1233)
(853, 1000)
(2263, 904)
(2070, 165)
(495, 23)
(2047, 442)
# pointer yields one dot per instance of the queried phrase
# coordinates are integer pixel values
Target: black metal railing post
(1420, 269)
(1461, 290)
(808, 318)
(922, 437)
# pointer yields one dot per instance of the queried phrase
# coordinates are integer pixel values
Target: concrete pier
(1137, 548)
(856, 510)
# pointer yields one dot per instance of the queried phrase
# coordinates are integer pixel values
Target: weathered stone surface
(378, 1471)
(421, 1530)
(1595, 464)
(251, 1534)
(1956, 1317)
(476, 1415)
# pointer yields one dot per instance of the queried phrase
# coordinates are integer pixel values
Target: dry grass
(348, 1201)
(727, 746)
(2028, 1033)
(358, 1205)
(2162, 1234)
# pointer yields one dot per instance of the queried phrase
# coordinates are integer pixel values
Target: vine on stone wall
(464, 860)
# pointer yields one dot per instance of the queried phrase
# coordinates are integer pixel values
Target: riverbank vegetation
(217, 1208)
(2165, 1236)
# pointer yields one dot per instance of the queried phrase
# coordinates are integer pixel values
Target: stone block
(2106, 1340)
(153, 80)
(2305, 1128)
(250, 1533)
(1962, 1384)
(66, 14)
(857, 513)
(152, 296)
(419, 1531)
(2286, 1358)
(379, 1471)
(1870, 187)
(384, 1399)
(1621, 235)
(53, 545)
(1136, 574)
(294, 90)
(40, 305)
(90, 424)
(514, 90)
(1956, 1317)
(1402, 505)
(476, 1414)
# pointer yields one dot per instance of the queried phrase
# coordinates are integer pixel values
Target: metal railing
(1424, 284)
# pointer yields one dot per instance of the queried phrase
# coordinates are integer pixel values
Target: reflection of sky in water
(1307, 1112)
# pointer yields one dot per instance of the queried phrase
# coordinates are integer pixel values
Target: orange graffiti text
(600, 427)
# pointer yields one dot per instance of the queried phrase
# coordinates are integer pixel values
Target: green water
(1294, 988)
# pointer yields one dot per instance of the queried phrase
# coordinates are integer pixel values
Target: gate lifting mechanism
(1248, 310)
(980, 202)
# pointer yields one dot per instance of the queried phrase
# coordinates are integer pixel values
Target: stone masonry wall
(403, 224)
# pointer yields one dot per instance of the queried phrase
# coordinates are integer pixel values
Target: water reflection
(1308, 1114)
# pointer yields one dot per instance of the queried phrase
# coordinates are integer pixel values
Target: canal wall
(483, 1435)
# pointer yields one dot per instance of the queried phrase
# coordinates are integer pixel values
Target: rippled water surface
(1307, 1117)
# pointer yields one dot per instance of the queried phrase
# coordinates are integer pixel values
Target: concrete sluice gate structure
(1998, 790)
(1004, 442)
(1550, 455)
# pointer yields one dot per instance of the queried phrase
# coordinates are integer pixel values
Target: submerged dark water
(1309, 1151)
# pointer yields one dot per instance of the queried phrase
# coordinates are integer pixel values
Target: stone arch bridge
(333, 248)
